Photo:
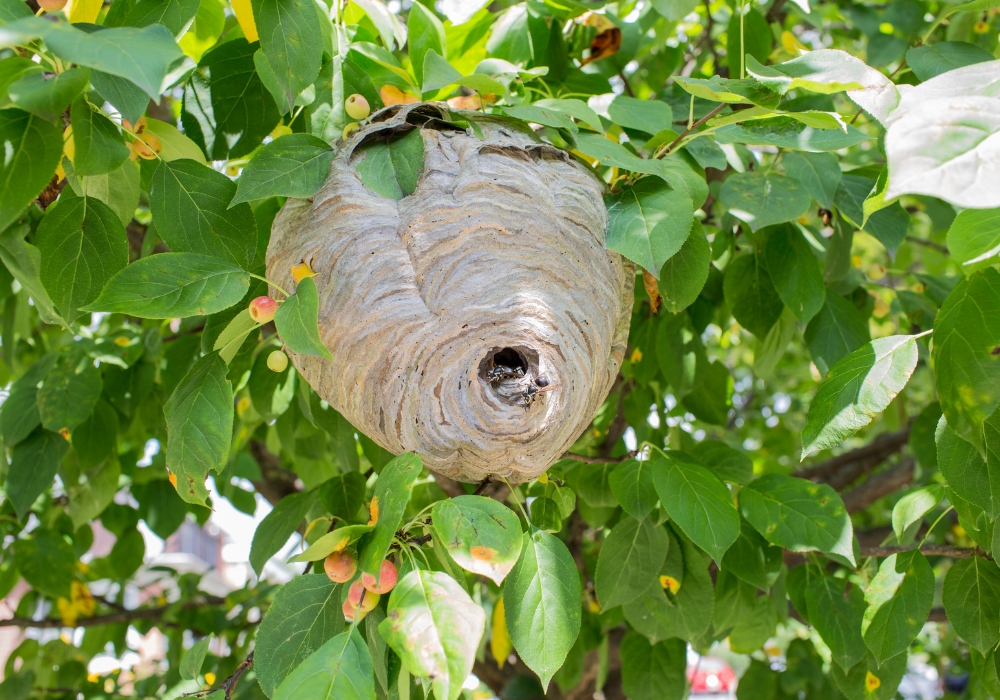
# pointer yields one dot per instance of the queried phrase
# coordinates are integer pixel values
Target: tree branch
(931, 550)
(111, 618)
(599, 460)
(277, 482)
(879, 485)
(842, 470)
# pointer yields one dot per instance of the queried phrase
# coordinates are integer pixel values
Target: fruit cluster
(363, 595)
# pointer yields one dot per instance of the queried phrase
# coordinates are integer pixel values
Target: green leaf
(899, 600)
(914, 506)
(763, 199)
(209, 23)
(194, 658)
(752, 559)
(118, 189)
(48, 97)
(175, 15)
(858, 388)
(303, 617)
(143, 56)
(332, 542)
(35, 150)
(970, 476)
(592, 483)
(886, 677)
(341, 669)
(295, 165)
(173, 285)
(836, 331)
(769, 350)
(751, 295)
(292, 42)
(688, 613)
(819, 173)
(630, 559)
(697, 502)
(481, 535)
(387, 25)
(542, 604)
(19, 412)
(545, 514)
(231, 338)
(98, 145)
(426, 33)
(200, 426)
(959, 170)
(798, 515)
(836, 609)
(733, 91)
(33, 465)
(46, 561)
(974, 239)
(392, 493)
(435, 628)
(648, 222)
(711, 396)
(965, 352)
(297, 321)
(683, 275)
(789, 132)
(795, 272)
(756, 39)
(392, 166)
(277, 526)
(190, 203)
(578, 109)
(726, 463)
(227, 110)
(971, 597)
(343, 494)
(931, 60)
(649, 116)
(827, 71)
(128, 98)
(632, 485)
(653, 671)
(83, 245)
(68, 393)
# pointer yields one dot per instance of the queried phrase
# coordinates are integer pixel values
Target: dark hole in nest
(509, 357)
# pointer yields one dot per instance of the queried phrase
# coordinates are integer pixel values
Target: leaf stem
(270, 282)
(517, 500)
(931, 528)
(670, 147)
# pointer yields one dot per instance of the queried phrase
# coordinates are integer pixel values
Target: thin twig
(929, 244)
(586, 459)
(228, 685)
(628, 88)
(669, 149)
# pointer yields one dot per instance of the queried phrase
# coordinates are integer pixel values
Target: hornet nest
(479, 321)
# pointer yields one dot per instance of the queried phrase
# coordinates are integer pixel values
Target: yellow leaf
(244, 15)
(392, 95)
(83, 10)
(500, 644)
(67, 612)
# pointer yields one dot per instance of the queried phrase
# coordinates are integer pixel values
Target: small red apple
(262, 309)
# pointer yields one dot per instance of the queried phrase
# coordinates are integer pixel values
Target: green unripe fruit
(357, 107)
(277, 361)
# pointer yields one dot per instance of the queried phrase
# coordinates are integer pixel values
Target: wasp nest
(479, 321)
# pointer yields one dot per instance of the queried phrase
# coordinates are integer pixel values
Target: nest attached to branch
(479, 321)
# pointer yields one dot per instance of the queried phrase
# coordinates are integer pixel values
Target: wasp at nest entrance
(515, 377)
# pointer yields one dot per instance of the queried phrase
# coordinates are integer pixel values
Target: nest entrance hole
(509, 357)
(518, 367)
